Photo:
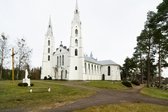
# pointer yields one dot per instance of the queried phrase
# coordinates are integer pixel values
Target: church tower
(48, 53)
(76, 58)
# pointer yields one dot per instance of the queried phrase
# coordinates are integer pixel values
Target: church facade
(70, 63)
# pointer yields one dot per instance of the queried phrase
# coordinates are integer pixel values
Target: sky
(109, 27)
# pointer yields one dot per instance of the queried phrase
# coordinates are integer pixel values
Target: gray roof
(108, 62)
(90, 59)
(103, 62)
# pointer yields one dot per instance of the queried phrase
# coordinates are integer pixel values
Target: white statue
(26, 74)
(26, 80)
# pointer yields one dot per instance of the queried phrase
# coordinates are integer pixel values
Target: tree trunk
(159, 68)
(1, 69)
(148, 70)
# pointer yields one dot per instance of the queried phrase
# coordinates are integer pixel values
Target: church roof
(103, 62)
(91, 59)
(107, 62)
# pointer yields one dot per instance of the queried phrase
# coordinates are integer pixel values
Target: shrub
(127, 84)
(20, 84)
(45, 78)
(135, 82)
(25, 84)
(50, 78)
(31, 84)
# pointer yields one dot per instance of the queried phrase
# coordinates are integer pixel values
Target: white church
(70, 63)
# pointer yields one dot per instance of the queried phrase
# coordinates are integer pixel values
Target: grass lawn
(126, 107)
(106, 85)
(155, 92)
(13, 96)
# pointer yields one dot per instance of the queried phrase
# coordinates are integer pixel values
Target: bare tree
(3, 52)
(23, 53)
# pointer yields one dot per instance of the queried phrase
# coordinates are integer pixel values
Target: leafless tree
(23, 53)
(3, 52)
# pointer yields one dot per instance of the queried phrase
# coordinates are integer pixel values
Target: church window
(48, 42)
(76, 32)
(65, 73)
(76, 42)
(48, 57)
(95, 68)
(109, 70)
(89, 68)
(76, 52)
(85, 69)
(76, 68)
(48, 50)
(76, 11)
(62, 59)
(57, 60)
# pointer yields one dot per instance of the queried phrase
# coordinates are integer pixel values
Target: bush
(135, 82)
(25, 84)
(45, 78)
(31, 84)
(127, 84)
(22, 84)
(50, 78)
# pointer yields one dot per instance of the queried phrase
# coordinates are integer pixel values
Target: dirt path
(102, 96)
(105, 96)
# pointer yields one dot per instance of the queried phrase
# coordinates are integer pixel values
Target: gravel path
(103, 96)
(109, 97)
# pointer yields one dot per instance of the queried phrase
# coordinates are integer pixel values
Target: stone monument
(26, 80)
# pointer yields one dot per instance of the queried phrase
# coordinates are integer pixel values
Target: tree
(160, 36)
(3, 52)
(35, 73)
(23, 53)
(129, 69)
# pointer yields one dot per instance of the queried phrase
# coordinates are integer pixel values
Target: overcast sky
(109, 27)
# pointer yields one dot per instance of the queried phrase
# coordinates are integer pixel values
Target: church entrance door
(62, 75)
(103, 77)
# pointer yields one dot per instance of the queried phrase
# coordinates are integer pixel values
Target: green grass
(126, 107)
(106, 85)
(13, 96)
(155, 92)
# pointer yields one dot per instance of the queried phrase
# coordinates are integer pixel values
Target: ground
(102, 96)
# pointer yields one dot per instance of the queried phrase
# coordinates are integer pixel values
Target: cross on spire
(76, 8)
(49, 31)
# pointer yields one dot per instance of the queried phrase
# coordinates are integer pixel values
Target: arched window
(60, 60)
(76, 32)
(109, 70)
(48, 57)
(76, 68)
(57, 60)
(66, 73)
(89, 68)
(48, 42)
(76, 42)
(63, 60)
(85, 68)
(48, 50)
(76, 52)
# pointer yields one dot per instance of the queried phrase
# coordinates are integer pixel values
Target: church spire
(49, 31)
(76, 8)
(49, 25)
(76, 18)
